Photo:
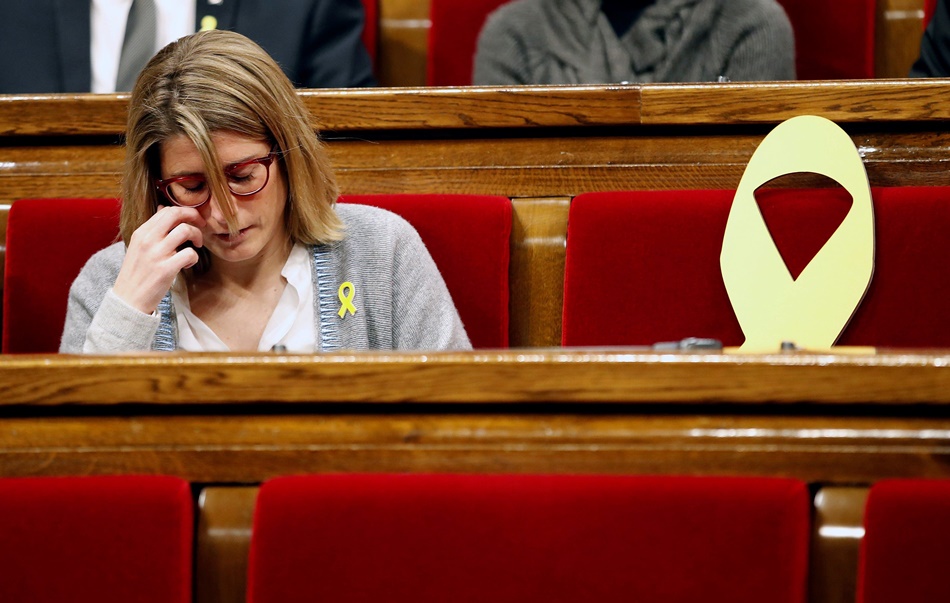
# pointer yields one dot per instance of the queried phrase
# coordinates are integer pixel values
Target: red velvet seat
(468, 236)
(833, 40)
(904, 553)
(453, 36)
(929, 7)
(49, 240)
(643, 266)
(513, 538)
(96, 540)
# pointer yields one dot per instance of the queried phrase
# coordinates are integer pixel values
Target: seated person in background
(934, 59)
(231, 236)
(75, 45)
(611, 41)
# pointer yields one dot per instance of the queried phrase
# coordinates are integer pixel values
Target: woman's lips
(232, 239)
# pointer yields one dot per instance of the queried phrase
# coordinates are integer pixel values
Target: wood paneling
(234, 447)
(620, 376)
(403, 42)
(897, 39)
(771, 102)
(538, 248)
(838, 528)
(419, 109)
(225, 517)
(828, 418)
(535, 142)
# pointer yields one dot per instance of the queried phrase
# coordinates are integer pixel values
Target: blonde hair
(216, 81)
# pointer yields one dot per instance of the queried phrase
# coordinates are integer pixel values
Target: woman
(231, 236)
(613, 41)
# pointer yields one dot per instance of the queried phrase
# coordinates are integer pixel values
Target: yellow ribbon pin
(346, 294)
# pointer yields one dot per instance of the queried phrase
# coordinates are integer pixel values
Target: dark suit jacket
(44, 44)
(934, 60)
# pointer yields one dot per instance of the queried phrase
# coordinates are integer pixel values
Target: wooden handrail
(482, 377)
(344, 110)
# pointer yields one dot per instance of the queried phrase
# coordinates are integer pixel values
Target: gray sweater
(572, 42)
(401, 301)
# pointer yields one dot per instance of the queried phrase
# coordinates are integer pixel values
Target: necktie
(138, 45)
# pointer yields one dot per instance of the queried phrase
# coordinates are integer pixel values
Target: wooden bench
(230, 422)
(538, 146)
(839, 421)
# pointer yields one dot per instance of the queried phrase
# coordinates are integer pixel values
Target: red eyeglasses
(244, 179)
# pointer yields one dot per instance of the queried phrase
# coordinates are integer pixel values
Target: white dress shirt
(174, 19)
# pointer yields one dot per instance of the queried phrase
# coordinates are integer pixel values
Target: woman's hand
(153, 259)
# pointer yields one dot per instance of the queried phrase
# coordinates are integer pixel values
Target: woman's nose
(211, 211)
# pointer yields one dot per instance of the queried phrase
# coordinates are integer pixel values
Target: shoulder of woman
(367, 220)
(755, 10)
(514, 14)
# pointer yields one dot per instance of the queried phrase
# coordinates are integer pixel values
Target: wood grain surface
(376, 109)
(250, 445)
(482, 377)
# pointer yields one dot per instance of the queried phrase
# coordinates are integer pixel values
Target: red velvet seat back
(96, 540)
(515, 538)
(48, 242)
(468, 236)
(929, 7)
(904, 554)
(453, 37)
(833, 40)
(643, 266)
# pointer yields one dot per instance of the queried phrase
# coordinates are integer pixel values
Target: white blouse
(291, 325)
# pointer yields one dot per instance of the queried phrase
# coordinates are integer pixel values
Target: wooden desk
(242, 419)
(226, 423)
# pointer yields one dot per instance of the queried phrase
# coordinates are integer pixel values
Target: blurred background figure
(934, 59)
(609, 41)
(101, 45)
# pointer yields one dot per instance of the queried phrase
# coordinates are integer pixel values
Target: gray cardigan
(572, 42)
(401, 301)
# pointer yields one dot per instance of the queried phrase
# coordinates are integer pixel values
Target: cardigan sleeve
(97, 320)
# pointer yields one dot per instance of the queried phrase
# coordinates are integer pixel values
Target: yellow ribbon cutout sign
(814, 309)
(346, 293)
